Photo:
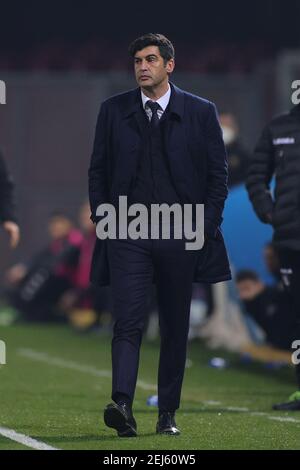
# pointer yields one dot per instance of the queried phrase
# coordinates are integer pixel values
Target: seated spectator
(84, 304)
(35, 289)
(268, 306)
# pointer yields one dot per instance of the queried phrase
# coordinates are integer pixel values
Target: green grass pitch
(56, 383)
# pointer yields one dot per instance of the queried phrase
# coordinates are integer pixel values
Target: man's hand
(14, 232)
(15, 274)
(68, 300)
(269, 218)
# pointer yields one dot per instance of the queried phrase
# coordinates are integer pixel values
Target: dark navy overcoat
(197, 161)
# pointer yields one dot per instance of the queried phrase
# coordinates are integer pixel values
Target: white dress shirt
(163, 102)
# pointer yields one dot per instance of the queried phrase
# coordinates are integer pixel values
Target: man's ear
(170, 65)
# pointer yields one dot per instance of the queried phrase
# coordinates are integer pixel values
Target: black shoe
(166, 424)
(119, 416)
(293, 405)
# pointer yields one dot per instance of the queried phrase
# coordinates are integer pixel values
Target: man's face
(249, 289)
(59, 227)
(150, 68)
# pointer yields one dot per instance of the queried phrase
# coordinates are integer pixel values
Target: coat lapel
(174, 130)
(134, 113)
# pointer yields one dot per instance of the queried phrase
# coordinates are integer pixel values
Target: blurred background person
(277, 153)
(237, 154)
(86, 307)
(268, 306)
(7, 205)
(34, 289)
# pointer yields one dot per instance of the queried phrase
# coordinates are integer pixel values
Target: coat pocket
(213, 263)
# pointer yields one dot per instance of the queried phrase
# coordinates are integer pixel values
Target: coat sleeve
(97, 173)
(216, 190)
(260, 172)
(7, 195)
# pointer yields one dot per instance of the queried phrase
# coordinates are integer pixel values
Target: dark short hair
(166, 48)
(246, 275)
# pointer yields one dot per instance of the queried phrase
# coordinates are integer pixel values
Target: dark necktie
(154, 108)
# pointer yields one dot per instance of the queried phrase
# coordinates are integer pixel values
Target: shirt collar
(163, 101)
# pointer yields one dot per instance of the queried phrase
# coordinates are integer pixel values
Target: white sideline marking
(283, 419)
(57, 361)
(237, 408)
(212, 402)
(25, 440)
(287, 419)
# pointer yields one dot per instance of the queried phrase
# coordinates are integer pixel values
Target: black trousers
(290, 274)
(132, 265)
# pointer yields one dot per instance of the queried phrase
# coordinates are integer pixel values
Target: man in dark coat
(278, 153)
(156, 144)
(7, 205)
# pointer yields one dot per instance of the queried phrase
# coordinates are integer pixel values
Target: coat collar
(134, 102)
